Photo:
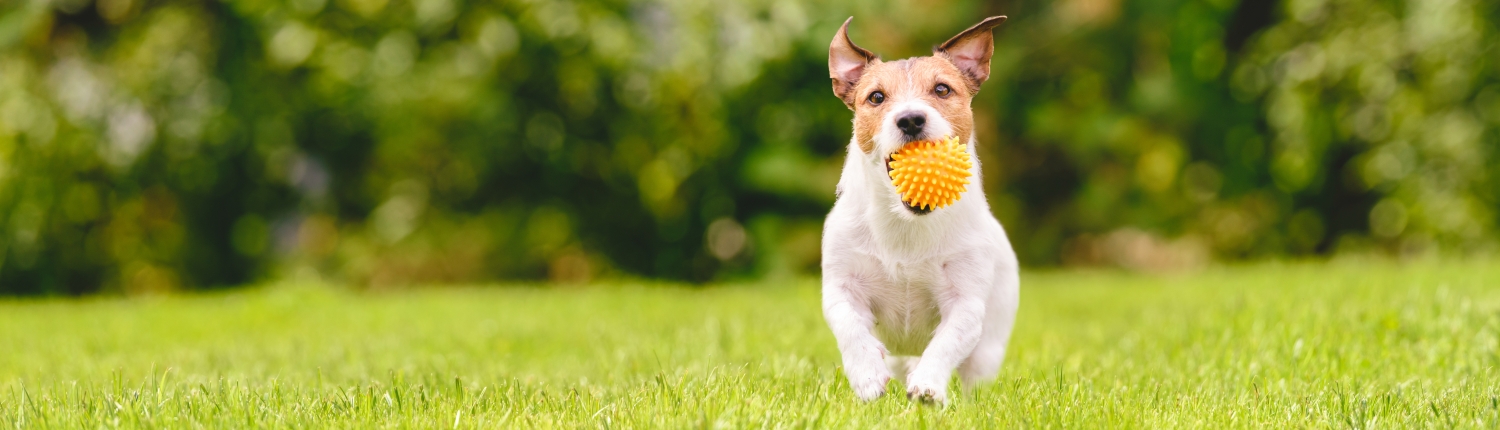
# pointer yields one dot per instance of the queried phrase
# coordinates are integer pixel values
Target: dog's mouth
(909, 207)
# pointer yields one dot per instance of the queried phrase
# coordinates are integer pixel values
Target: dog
(910, 292)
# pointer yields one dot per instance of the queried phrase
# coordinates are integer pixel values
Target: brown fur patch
(912, 78)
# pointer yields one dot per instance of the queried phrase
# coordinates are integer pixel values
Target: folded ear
(846, 63)
(971, 51)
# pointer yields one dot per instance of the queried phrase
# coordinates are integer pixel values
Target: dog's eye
(942, 90)
(876, 98)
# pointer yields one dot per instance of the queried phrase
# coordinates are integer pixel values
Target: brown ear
(846, 63)
(971, 51)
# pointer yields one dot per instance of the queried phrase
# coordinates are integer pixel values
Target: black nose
(911, 124)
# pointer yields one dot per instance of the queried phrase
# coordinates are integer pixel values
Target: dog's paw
(867, 372)
(869, 388)
(927, 393)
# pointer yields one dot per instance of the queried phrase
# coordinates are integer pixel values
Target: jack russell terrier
(914, 292)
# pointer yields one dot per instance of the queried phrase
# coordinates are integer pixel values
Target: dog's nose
(911, 123)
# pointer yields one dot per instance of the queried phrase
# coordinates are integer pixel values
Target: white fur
(890, 139)
(915, 296)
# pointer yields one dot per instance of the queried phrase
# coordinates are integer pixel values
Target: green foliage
(161, 144)
(1399, 104)
(1266, 346)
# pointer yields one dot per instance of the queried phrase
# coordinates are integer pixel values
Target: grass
(1269, 345)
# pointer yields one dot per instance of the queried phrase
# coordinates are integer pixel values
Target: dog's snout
(911, 123)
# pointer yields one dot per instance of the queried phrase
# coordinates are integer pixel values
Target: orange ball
(931, 174)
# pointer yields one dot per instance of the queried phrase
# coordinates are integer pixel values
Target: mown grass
(1361, 344)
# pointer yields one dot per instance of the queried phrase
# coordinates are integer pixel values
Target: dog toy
(931, 174)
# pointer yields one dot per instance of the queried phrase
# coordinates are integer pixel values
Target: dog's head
(921, 98)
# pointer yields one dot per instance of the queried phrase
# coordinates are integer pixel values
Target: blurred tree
(159, 144)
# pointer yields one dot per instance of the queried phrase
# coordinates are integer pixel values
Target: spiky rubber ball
(931, 174)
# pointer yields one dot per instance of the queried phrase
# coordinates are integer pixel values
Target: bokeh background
(158, 145)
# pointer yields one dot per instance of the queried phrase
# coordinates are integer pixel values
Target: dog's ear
(846, 63)
(971, 51)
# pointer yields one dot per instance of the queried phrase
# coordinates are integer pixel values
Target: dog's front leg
(849, 317)
(962, 305)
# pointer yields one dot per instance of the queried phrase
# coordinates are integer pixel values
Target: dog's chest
(904, 303)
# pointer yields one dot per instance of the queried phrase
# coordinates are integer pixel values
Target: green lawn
(1372, 344)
